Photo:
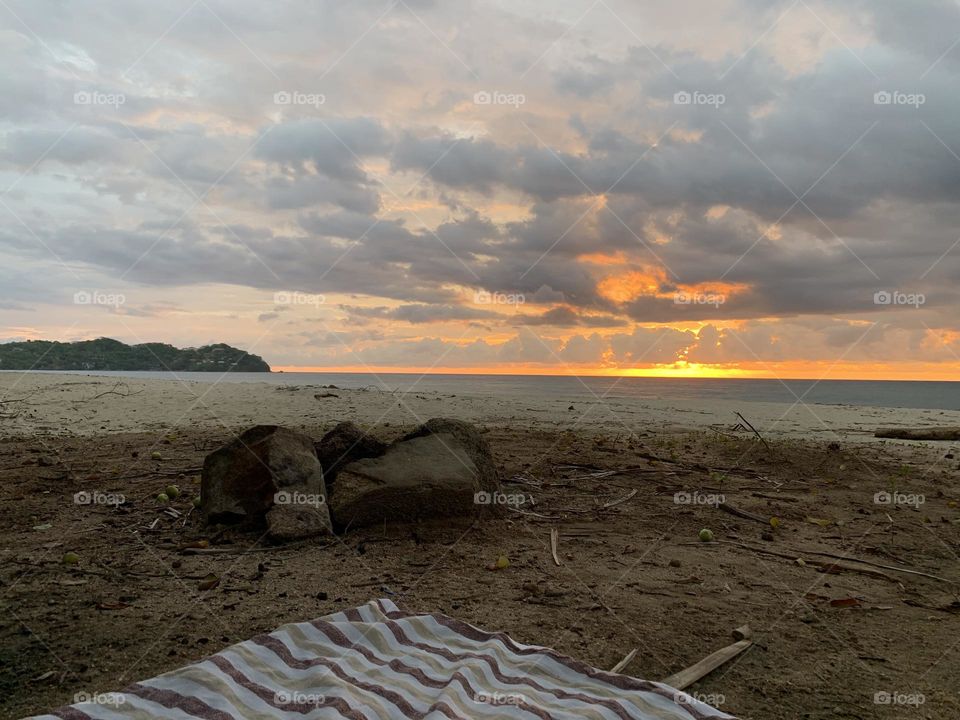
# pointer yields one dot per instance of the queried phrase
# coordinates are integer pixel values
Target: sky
(702, 187)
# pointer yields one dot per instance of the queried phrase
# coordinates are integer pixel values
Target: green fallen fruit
(172, 491)
(71, 558)
(706, 535)
(155, 455)
(163, 497)
(196, 502)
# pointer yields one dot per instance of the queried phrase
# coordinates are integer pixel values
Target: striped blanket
(376, 661)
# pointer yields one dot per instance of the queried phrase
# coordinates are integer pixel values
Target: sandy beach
(56, 404)
(847, 597)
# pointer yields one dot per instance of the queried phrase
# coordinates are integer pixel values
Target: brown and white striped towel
(376, 661)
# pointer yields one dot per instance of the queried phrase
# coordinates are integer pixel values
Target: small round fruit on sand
(163, 497)
(706, 535)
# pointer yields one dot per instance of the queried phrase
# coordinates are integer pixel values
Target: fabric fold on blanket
(378, 662)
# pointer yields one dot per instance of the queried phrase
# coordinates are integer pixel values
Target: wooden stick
(754, 431)
(743, 513)
(933, 433)
(621, 500)
(626, 661)
(884, 567)
(554, 540)
(686, 678)
(841, 565)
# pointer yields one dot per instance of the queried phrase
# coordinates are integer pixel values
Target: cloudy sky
(591, 186)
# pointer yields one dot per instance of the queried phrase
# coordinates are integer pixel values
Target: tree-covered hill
(107, 354)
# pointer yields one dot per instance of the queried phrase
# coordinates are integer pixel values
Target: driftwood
(686, 678)
(934, 433)
(626, 661)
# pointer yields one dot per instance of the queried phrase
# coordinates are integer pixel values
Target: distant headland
(108, 354)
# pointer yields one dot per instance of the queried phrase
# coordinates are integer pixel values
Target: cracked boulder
(436, 471)
(343, 445)
(268, 476)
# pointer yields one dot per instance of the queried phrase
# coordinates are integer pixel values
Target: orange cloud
(627, 286)
(631, 285)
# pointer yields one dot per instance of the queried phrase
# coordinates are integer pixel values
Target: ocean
(933, 395)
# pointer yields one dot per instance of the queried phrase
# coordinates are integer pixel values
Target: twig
(626, 661)
(554, 540)
(621, 500)
(743, 513)
(533, 514)
(843, 563)
(114, 391)
(759, 436)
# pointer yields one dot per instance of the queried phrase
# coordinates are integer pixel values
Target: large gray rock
(271, 475)
(341, 446)
(436, 471)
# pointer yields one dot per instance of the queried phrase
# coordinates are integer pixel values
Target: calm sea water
(879, 393)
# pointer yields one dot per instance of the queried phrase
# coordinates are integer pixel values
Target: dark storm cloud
(567, 317)
(419, 313)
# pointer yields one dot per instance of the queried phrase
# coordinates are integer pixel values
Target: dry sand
(90, 405)
(633, 575)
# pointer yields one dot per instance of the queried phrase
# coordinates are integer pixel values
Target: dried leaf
(822, 522)
(845, 602)
(209, 582)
